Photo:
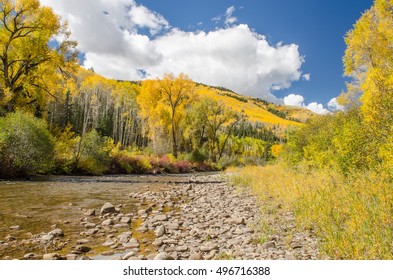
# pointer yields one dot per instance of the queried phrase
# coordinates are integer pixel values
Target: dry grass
(352, 215)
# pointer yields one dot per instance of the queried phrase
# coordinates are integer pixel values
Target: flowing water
(38, 206)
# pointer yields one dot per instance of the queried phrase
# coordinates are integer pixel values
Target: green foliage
(92, 154)
(338, 141)
(26, 146)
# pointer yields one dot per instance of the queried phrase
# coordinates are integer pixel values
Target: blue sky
(285, 51)
(317, 26)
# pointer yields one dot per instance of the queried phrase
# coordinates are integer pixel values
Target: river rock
(52, 256)
(236, 221)
(121, 226)
(90, 212)
(158, 242)
(125, 220)
(57, 232)
(47, 238)
(82, 248)
(30, 256)
(82, 241)
(124, 237)
(163, 256)
(71, 257)
(129, 255)
(173, 226)
(160, 231)
(107, 222)
(15, 228)
(107, 208)
(161, 218)
(195, 256)
(132, 244)
(108, 243)
(90, 225)
(269, 245)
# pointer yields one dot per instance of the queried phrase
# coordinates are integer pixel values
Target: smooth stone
(107, 208)
(47, 237)
(173, 226)
(82, 248)
(161, 218)
(53, 256)
(107, 222)
(108, 243)
(163, 256)
(125, 220)
(182, 248)
(30, 256)
(90, 225)
(196, 257)
(15, 228)
(160, 231)
(289, 256)
(91, 231)
(129, 255)
(71, 257)
(121, 226)
(269, 245)
(57, 232)
(158, 242)
(108, 253)
(236, 221)
(90, 212)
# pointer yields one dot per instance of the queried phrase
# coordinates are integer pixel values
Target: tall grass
(352, 215)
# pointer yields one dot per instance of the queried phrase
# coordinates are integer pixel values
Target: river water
(40, 205)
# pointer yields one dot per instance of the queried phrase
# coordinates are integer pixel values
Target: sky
(284, 51)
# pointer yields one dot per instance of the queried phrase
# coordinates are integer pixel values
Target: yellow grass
(353, 216)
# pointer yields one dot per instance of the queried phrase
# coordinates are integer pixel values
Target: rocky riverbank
(201, 219)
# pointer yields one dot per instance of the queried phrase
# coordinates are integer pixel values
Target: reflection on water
(37, 205)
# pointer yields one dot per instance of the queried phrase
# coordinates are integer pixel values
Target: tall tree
(369, 59)
(165, 101)
(30, 59)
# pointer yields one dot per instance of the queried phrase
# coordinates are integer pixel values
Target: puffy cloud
(317, 108)
(294, 100)
(334, 105)
(298, 100)
(110, 34)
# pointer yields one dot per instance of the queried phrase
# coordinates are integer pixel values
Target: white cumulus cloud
(110, 35)
(294, 100)
(298, 100)
(334, 105)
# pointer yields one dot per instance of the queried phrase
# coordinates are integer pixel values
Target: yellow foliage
(277, 149)
(351, 215)
(253, 111)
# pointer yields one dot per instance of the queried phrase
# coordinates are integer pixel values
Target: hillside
(277, 117)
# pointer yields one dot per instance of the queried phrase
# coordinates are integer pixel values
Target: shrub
(26, 146)
(92, 154)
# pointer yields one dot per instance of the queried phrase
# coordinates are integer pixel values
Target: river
(42, 204)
